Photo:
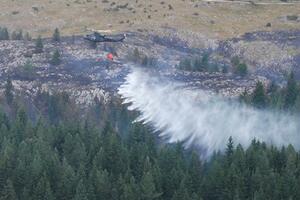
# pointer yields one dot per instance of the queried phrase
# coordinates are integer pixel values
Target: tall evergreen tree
(55, 60)
(291, 92)
(181, 193)
(41, 161)
(81, 192)
(28, 36)
(48, 195)
(102, 184)
(259, 98)
(39, 45)
(66, 187)
(17, 35)
(130, 190)
(4, 35)
(195, 172)
(148, 190)
(244, 97)
(8, 192)
(229, 150)
(56, 35)
(9, 91)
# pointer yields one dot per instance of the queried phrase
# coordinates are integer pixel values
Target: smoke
(197, 118)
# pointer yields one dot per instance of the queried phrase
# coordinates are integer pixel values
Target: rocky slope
(85, 72)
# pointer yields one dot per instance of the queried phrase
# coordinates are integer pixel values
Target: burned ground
(85, 72)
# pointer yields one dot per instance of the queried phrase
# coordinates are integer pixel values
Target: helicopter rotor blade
(100, 30)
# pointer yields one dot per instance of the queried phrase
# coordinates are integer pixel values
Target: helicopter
(98, 36)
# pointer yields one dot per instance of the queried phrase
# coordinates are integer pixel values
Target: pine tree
(259, 98)
(244, 97)
(28, 69)
(90, 190)
(276, 96)
(185, 64)
(4, 35)
(148, 190)
(258, 195)
(21, 175)
(28, 37)
(195, 173)
(66, 186)
(229, 150)
(130, 190)
(17, 35)
(42, 189)
(13, 35)
(81, 192)
(22, 118)
(55, 60)
(204, 60)
(39, 188)
(297, 104)
(181, 193)
(8, 192)
(9, 91)
(115, 157)
(37, 168)
(56, 35)
(239, 67)
(70, 161)
(236, 196)
(25, 194)
(39, 45)
(8, 156)
(48, 195)
(102, 184)
(291, 92)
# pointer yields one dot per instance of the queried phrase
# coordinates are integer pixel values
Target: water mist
(194, 117)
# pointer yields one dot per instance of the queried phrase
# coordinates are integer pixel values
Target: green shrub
(239, 67)
(185, 64)
(142, 59)
(242, 69)
(26, 71)
(198, 64)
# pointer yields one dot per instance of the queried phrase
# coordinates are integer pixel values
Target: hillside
(172, 100)
(211, 19)
(85, 73)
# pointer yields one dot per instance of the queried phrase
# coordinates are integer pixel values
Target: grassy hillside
(216, 20)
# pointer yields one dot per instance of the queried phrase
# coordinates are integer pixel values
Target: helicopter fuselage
(97, 37)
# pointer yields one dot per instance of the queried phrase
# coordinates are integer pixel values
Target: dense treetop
(62, 155)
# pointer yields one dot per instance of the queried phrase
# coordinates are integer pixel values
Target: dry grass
(215, 20)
